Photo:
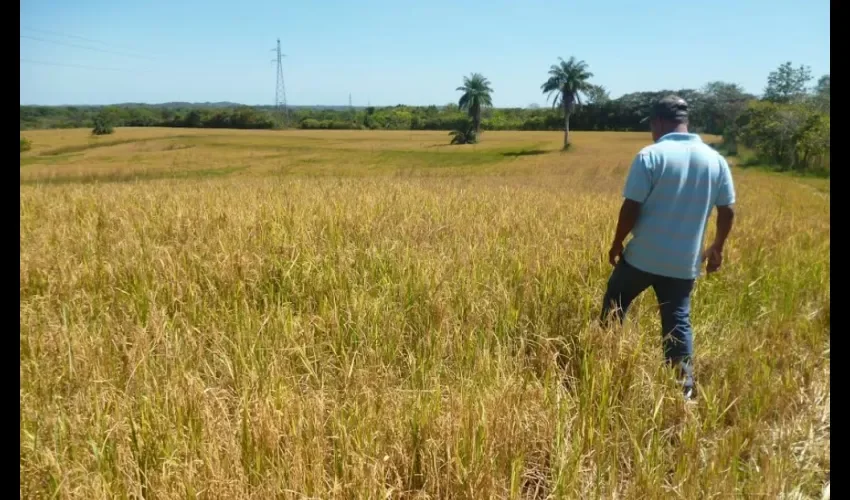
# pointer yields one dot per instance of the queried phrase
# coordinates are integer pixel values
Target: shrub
(26, 144)
(310, 123)
(790, 136)
(102, 126)
(464, 134)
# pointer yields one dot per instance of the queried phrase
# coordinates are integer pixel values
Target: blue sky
(387, 52)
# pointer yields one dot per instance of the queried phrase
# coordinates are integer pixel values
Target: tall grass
(366, 337)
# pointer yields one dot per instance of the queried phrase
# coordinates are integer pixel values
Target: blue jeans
(674, 299)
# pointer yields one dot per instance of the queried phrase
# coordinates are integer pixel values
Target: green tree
(103, 122)
(193, 119)
(812, 143)
(597, 94)
(790, 136)
(102, 127)
(823, 86)
(723, 103)
(787, 83)
(567, 81)
(821, 94)
(476, 95)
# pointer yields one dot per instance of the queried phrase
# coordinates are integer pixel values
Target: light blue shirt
(677, 180)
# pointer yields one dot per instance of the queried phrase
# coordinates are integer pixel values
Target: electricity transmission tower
(280, 89)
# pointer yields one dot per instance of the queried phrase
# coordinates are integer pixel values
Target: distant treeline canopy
(711, 111)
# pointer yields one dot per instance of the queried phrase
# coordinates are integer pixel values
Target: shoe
(690, 394)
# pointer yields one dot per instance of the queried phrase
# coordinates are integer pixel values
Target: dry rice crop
(237, 314)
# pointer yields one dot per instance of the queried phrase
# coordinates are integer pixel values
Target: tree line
(787, 126)
(622, 114)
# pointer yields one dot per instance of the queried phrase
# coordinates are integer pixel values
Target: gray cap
(671, 107)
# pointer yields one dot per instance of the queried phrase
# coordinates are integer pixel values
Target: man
(670, 191)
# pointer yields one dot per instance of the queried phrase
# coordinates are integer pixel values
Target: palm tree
(567, 81)
(476, 95)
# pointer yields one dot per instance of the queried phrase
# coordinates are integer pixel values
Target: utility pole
(280, 108)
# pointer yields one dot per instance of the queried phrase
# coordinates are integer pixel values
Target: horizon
(335, 106)
(96, 52)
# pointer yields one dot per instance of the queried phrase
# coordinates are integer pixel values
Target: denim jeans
(674, 299)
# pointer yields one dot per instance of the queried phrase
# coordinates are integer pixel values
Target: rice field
(357, 314)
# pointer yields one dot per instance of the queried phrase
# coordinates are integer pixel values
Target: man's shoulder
(651, 155)
(708, 150)
(647, 154)
(648, 149)
(660, 149)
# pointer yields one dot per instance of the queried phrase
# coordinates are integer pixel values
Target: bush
(464, 134)
(102, 126)
(790, 136)
(310, 123)
(26, 144)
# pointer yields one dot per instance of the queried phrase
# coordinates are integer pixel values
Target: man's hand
(714, 256)
(616, 252)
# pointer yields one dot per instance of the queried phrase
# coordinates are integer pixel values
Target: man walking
(670, 191)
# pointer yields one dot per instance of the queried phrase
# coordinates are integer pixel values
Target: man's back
(677, 180)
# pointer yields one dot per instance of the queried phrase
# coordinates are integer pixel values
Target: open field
(244, 314)
(134, 154)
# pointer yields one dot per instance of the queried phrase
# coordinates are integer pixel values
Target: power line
(30, 61)
(56, 33)
(83, 47)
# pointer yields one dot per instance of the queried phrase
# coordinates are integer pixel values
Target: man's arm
(629, 212)
(637, 189)
(725, 218)
(725, 202)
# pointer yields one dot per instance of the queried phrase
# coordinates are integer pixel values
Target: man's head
(668, 114)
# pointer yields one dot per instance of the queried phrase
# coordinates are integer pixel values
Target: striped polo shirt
(677, 180)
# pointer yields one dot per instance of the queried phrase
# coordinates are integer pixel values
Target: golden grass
(371, 315)
(69, 155)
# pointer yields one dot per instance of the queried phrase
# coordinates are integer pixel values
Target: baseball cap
(671, 107)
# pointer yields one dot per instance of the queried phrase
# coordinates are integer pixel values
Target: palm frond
(476, 94)
(553, 83)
